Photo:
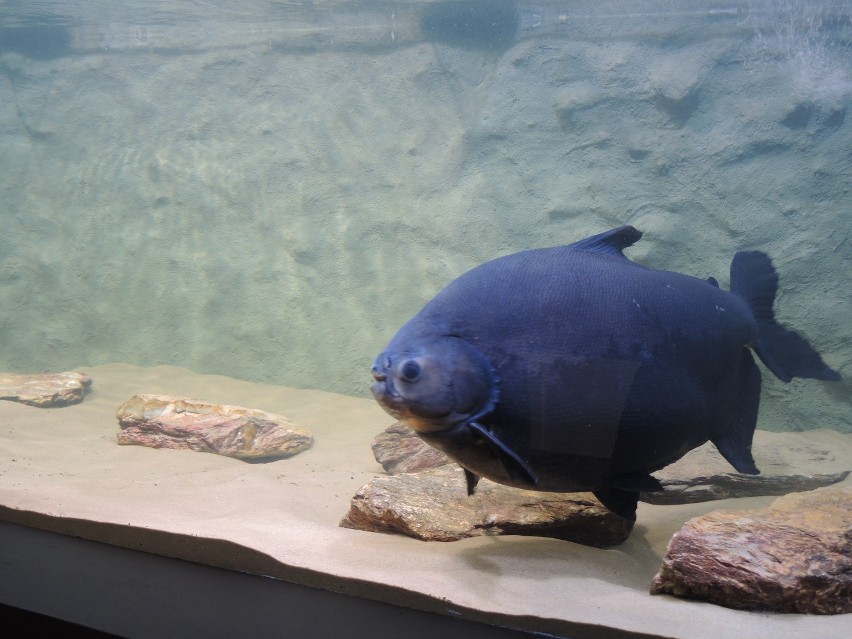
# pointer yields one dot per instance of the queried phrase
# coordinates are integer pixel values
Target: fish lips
(382, 388)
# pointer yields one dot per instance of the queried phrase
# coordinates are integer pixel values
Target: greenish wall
(276, 215)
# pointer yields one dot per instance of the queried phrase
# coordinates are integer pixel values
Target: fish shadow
(631, 564)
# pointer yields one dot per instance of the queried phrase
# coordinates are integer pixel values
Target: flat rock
(433, 505)
(787, 461)
(399, 450)
(163, 421)
(794, 556)
(45, 390)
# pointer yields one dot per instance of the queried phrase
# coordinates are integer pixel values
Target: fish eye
(410, 370)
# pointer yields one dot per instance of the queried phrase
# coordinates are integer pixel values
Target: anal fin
(735, 443)
(622, 502)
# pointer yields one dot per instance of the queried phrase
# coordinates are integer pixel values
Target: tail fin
(786, 353)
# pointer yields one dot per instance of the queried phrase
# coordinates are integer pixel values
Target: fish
(574, 368)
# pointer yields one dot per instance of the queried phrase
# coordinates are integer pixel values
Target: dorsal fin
(612, 242)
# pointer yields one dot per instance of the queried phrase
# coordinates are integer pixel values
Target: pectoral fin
(514, 465)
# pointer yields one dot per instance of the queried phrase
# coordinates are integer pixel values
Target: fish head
(434, 384)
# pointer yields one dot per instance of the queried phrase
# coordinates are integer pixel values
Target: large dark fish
(575, 369)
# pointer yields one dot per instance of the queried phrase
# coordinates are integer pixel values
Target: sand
(63, 471)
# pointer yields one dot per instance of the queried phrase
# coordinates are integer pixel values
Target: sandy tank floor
(62, 470)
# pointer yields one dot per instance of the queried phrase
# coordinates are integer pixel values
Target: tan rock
(787, 462)
(162, 421)
(399, 450)
(795, 556)
(433, 505)
(45, 390)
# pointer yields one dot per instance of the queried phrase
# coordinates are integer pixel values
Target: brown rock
(46, 390)
(434, 506)
(787, 461)
(399, 450)
(795, 556)
(162, 421)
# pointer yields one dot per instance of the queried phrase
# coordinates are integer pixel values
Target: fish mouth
(382, 389)
(379, 374)
(389, 400)
(397, 406)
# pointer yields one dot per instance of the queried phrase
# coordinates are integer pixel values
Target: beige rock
(162, 421)
(795, 556)
(399, 450)
(45, 390)
(788, 462)
(433, 505)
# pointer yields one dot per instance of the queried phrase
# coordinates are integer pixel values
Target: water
(267, 190)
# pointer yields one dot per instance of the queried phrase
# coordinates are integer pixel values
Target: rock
(162, 421)
(45, 390)
(787, 462)
(675, 82)
(795, 556)
(433, 505)
(575, 98)
(399, 450)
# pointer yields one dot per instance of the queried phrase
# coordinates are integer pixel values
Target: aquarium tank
(243, 202)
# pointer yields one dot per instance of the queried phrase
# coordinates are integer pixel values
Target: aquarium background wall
(268, 190)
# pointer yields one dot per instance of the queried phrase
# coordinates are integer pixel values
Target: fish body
(575, 369)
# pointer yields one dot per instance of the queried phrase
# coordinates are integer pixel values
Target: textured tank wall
(275, 214)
